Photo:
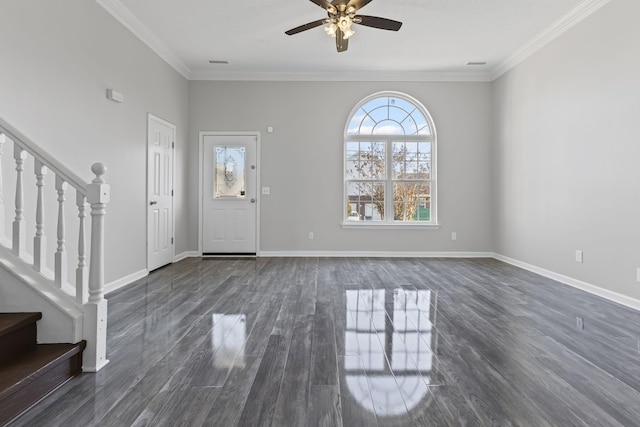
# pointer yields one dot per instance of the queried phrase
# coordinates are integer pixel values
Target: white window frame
(388, 221)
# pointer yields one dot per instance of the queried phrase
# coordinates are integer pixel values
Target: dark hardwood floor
(356, 342)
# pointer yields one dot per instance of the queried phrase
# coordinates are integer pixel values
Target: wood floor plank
(225, 410)
(293, 400)
(260, 405)
(324, 368)
(324, 407)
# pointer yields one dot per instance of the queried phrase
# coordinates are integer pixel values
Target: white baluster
(19, 236)
(82, 286)
(40, 240)
(61, 253)
(95, 319)
(3, 139)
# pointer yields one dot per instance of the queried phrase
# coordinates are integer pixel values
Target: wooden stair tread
(10, 322)
(33, 364)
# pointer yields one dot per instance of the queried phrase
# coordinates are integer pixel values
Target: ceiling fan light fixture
(348, 33)
(344, 23)
(331, 29)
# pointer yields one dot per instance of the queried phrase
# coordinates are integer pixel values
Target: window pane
(365, 160)
(424, 170)
(411, 201)
(423, 127)
(400, 116)
(367, 126)
(400, 103)
(372, 160)
(375, 103)
(352, 148)
(424, 151)
(356, 120)
(365, 201)
(410, 126)
(388, 127)
(405, 164)
(379, 114)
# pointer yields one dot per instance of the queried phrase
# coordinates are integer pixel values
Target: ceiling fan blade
(358, 4)
(381, 23)
(305, 27)
(342, 44)
(323, 4)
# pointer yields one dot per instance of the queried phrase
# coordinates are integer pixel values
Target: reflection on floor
(356, 342)
(390, 332)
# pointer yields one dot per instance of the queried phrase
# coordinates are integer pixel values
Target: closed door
(229, 194)
(161, 141)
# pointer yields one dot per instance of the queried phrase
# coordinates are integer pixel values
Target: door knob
(153, 202)
(253, 200)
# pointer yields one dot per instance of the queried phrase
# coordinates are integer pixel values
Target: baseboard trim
(579, 284)
(372, 254)
(124, 281)
(185, 255)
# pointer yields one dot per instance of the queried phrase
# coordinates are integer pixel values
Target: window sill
(373, 226)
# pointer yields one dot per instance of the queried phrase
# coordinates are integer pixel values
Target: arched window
(390, 167)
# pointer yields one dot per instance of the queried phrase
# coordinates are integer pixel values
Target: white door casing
(160, 145)
(229, 206)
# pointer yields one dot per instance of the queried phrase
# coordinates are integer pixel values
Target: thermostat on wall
(115, 96)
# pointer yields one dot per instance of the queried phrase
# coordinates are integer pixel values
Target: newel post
(95, 310)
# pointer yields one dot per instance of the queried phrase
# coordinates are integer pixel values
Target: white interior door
(229, 194)
(160, 141)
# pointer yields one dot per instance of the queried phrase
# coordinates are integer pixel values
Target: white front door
(229, 193)
(160, 142)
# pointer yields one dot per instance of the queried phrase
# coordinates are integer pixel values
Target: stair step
(10, 322)
(29, 378)
(17, 334)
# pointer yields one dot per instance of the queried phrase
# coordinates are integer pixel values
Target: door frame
(151, 117)
(202, 134)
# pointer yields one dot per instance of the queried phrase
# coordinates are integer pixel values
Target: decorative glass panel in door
(230, 176)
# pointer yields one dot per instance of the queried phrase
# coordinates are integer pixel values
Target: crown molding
(133, 24)
(575, 16)
(351, 76)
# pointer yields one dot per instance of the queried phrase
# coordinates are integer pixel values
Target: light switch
(266, 190)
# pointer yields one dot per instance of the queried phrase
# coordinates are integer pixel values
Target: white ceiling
(437, 39)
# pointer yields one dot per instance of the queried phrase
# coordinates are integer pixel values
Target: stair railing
(89, 279)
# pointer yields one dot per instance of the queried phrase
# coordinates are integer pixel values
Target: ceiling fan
(342, 14)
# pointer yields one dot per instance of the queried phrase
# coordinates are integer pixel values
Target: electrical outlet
(579, 257)
(638, 274)
(311, 235)
(454, 236)
(266, 190)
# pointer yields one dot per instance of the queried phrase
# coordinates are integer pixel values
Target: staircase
(29, 371)
(46, 269)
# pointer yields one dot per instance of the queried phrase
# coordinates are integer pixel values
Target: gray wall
(567, 150)
(58, 58)
(302, 160)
